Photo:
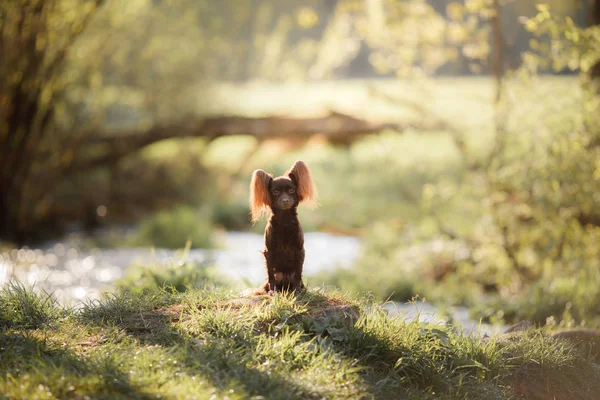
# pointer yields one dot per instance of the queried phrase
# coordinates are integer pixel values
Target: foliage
(173, 228)
(207, 343)
(569, 45)
(72, 103)
(35, 41)
(546, 219)
(179, 277)
(532, 249)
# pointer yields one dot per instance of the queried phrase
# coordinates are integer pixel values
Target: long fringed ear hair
(259, 194)
(305, 187)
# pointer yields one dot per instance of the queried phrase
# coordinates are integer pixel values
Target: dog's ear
(305, 187)
(259, 194)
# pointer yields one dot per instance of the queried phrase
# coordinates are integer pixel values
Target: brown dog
(284, 239)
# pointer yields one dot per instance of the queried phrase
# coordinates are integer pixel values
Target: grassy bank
(208, 342)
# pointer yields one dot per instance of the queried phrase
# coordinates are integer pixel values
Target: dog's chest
(286, 238)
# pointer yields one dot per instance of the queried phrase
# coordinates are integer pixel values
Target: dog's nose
(286, 201)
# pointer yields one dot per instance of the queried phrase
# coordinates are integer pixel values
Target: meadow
(210, 343)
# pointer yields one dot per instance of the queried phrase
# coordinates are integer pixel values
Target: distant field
(466, 98)
(465, 102)
(452, 97)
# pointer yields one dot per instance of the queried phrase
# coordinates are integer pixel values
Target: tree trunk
(498, 48)
(29, 71)
(595, 20)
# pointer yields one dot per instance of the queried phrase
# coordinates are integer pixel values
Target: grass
(179, 275)
(21, 308)
(212, 344)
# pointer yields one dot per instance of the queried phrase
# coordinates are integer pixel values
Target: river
(73, 272)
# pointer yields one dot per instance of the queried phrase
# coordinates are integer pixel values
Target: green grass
(20, 308)
(178, 275)
(204, 343)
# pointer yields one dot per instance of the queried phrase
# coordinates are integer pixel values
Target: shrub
(173, 228)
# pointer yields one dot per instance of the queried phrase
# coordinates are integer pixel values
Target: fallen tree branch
(336, 127)
(588, 219)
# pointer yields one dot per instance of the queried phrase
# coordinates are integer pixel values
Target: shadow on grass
(388, 358)
(28, 360)
(227, 361)
(230, 359)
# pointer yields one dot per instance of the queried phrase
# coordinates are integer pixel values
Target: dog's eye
(291, 191)
(276, 192)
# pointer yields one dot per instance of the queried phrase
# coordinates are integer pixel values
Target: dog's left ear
(305, 187)
(259, 194)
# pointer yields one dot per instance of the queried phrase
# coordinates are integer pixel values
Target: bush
(173, 228)
(532, 250)
(232, 214)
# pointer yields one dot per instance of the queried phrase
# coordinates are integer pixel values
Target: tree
(74, 98)
(35, 40)
(595, 21)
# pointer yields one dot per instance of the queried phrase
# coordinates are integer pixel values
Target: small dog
(284, 239)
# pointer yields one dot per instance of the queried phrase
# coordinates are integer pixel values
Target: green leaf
(542, 7)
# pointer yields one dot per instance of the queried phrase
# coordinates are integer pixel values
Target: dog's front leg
(271, 285)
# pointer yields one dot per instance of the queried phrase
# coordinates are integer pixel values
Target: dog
(284, 239)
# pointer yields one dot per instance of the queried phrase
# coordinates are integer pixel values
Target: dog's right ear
(259, 194)
(305, 187)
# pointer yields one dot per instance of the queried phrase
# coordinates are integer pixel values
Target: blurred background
(455, 145)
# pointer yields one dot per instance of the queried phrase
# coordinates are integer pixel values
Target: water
(73, 273)
(458, 316)
(242, 255)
